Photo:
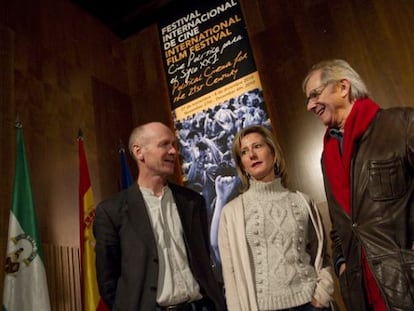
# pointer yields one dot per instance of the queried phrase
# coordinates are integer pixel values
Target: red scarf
(338, 171)
(337, 166)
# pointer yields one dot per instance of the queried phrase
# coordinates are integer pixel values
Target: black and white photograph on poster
(205, 141)
(215, 91)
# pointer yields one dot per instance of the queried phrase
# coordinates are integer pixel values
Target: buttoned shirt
(176, 283)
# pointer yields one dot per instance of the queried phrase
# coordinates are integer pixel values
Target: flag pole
(17, 123)
(126, 177)
(80, 134)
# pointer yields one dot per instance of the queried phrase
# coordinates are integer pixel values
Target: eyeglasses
(316, 92)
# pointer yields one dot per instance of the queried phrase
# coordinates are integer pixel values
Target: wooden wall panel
(147, 81)
(112, 111)
(63, 276)
(50, 52)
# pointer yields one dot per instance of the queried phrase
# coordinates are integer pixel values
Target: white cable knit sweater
(272, 257)
(276, 231)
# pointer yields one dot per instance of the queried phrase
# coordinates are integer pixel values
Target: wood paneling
(147, 81)
(112, 111)
(50, 52)
(63, 276)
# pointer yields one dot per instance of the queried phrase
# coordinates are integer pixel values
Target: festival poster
(215, 91)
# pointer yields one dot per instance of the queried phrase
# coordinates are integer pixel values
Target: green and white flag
(25, 284)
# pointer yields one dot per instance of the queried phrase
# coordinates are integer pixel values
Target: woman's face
(257, 158)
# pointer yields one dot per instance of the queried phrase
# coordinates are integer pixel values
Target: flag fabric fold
(126, 179)
(25, 283)
(90, 294)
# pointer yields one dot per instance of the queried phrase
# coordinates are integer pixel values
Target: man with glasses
(368, 169)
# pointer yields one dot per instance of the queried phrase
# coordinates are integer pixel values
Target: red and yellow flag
(90, 295)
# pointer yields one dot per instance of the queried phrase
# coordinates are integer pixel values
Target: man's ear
(345, 86)
(137, 151)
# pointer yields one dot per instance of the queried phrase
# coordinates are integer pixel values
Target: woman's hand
(316, 303)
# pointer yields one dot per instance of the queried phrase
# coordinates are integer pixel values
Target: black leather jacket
(382, 213)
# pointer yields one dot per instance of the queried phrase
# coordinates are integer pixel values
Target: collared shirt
(176, 283)
(337, 134)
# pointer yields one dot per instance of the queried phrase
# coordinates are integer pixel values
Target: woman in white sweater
(271, 240)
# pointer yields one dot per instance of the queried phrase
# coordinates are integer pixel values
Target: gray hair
(336, 70)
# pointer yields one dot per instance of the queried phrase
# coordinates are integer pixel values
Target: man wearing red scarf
(368, 169)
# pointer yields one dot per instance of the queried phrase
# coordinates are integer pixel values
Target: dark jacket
(126, 250)
(382, 213)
